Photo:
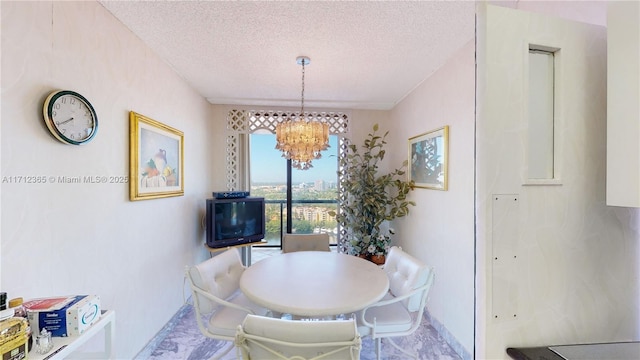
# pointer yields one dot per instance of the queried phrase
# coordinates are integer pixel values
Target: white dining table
(314, 283)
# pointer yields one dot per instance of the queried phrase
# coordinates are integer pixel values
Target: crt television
(234, 221)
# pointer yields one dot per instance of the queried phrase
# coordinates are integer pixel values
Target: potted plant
(379, 246)
(370, 198)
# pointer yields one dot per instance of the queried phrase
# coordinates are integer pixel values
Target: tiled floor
(181, 339)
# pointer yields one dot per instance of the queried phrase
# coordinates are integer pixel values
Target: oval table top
(314, 283)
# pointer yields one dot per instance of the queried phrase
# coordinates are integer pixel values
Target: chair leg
(413, 355)
(378, 348)
(224, 352)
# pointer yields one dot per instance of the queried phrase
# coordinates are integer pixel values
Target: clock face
(70, 117)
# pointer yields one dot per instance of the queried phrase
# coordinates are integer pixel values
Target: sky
(268, 165)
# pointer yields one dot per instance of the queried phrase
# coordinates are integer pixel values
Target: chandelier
(302, 139)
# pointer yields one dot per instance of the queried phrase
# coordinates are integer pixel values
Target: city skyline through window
(269, 167)
(313, 191)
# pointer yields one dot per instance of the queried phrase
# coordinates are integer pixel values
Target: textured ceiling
(364, 55)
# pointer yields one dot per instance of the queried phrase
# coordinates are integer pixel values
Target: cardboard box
(63, 316)
(48, 304)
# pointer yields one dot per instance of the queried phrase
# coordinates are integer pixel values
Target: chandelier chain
(302, 95)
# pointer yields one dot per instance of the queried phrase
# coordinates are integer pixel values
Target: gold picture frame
(156, 163)
(429, 159)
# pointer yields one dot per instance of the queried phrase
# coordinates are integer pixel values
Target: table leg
(246, 255)
(109, 338)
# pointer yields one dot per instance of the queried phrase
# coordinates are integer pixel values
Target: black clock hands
(64, 122)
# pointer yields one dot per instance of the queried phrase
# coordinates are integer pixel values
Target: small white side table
(66, 346)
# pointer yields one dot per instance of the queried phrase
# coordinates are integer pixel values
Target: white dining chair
(269, 338)
(305, 242)
(217, 297)
(400, 312)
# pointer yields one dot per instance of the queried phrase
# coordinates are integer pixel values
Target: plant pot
(363, 256)
(377, 259)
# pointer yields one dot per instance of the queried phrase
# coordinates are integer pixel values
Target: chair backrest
(219, 276)
(271, 338)
(406, 273)
(305, 242)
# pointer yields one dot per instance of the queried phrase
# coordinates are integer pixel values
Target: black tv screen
(234, 221)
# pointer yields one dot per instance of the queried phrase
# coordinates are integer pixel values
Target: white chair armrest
(391, 301)
(220, 301)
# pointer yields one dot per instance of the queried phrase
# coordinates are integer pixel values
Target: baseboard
(448, 337)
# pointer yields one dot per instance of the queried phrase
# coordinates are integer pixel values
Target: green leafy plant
(371, 198)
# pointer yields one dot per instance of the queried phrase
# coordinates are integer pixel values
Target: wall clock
(70, 117)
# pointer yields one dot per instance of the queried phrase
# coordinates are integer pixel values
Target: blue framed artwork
(428, 159)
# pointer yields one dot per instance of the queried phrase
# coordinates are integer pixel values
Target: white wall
(361, 126)
(446, 240)
(439, 229)
(60, 239)
(591, 12)
(575, 276)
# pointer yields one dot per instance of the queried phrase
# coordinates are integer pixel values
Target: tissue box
(63, 316)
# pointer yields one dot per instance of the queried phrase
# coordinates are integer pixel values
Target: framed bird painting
(156, 159)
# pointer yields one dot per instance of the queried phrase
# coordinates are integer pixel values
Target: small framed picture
(428, 159)
(156, 159)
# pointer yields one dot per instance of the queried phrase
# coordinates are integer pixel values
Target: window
(313, 192)
(543, 145)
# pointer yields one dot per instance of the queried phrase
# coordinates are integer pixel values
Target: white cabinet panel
(623, 104)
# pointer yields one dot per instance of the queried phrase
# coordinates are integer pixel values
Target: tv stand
(245, 250)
